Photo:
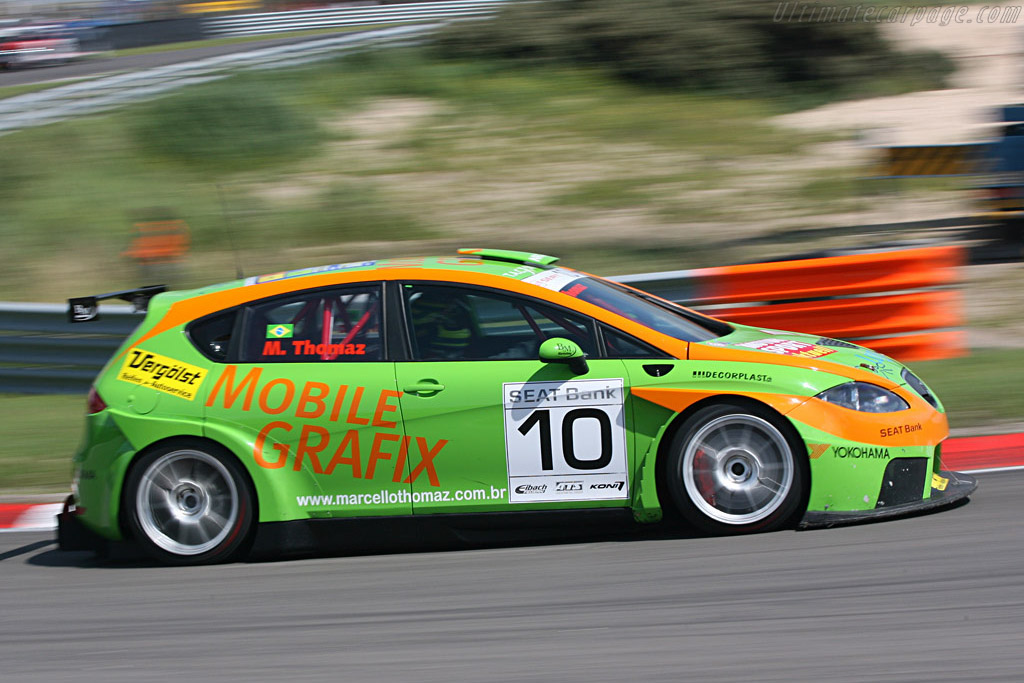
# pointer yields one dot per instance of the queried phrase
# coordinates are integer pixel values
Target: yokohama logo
(859, 452)
(816, 450)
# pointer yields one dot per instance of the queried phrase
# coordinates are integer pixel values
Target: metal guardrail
(336, 17)
(42, 353)
(100, 94)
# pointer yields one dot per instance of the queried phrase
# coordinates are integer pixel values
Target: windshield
(669, 319)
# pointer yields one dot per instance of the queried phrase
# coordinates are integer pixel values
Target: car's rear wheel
(190, 504)
(736, 469)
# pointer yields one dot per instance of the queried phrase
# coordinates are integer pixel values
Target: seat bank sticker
(164, 374)
(565, 441)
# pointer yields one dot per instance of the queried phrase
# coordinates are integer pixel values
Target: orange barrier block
(854, 317)
(158, 241)
(826, 296)
(918, 347)
(832, 276)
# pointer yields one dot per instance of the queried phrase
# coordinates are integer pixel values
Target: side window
(328, 325)
(619, 345)
(455, 323)
(212, 335)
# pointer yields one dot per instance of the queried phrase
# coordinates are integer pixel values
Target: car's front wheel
(736, 469)
(189, 504)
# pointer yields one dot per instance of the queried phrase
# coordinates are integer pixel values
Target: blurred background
(179, 141)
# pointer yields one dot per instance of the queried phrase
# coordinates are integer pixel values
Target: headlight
(920, 387)
(863, 397)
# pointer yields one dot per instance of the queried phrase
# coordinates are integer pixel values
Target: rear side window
(330, 325)
(619, 345)
(212, 335)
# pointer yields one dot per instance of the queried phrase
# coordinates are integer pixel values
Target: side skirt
(433, 532)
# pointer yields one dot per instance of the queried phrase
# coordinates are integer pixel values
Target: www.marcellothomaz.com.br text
(943, 15)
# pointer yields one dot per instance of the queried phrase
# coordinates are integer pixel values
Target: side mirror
(560, 350)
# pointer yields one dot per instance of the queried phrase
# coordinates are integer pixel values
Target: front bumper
(958, 488)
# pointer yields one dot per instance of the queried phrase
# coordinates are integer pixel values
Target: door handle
(426, 386)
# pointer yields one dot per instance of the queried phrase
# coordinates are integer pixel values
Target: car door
(314, 394)
(491, 427)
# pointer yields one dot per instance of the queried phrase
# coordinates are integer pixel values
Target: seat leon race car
(487, 384)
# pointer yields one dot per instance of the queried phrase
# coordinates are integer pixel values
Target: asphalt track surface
(938, 597)
(100, 66)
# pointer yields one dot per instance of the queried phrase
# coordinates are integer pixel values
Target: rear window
(212, 335)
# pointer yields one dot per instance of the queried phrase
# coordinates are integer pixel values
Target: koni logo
(617, 485)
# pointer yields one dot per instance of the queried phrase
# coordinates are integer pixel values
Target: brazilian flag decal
(280, 331)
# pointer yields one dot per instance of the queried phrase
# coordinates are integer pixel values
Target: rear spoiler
(85, 308)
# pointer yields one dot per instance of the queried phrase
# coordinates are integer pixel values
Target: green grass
(548, 101)
(615, 193)
(841, 184)
(832, 187)
(83, 184)
(230, 126)
(980, 388)
(40, 436)
(354, 210)
(853, 189)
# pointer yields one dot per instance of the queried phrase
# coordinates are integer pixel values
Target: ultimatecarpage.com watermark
(943, 15)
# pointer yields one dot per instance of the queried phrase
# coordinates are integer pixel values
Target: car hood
(807, 346)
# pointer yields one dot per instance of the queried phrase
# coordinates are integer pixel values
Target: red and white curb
(967, 454)
(28, 516)
(975, 454)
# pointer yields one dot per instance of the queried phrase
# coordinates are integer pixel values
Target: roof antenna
(228, 230)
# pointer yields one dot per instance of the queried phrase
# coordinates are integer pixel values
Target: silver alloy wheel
(187, 502)
(737, 469)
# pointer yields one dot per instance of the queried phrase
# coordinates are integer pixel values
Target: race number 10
(541, 417)
(565, 440)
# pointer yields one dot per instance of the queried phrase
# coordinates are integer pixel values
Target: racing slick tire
(736, 469)
(190, 503)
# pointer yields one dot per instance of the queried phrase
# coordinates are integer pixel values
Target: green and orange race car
(481, 386)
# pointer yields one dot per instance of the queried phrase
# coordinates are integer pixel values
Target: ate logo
(788, 347)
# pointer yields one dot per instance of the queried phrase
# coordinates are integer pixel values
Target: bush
(234, 125)
(734, 46)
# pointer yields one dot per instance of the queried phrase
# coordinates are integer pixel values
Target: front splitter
(959, 487)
